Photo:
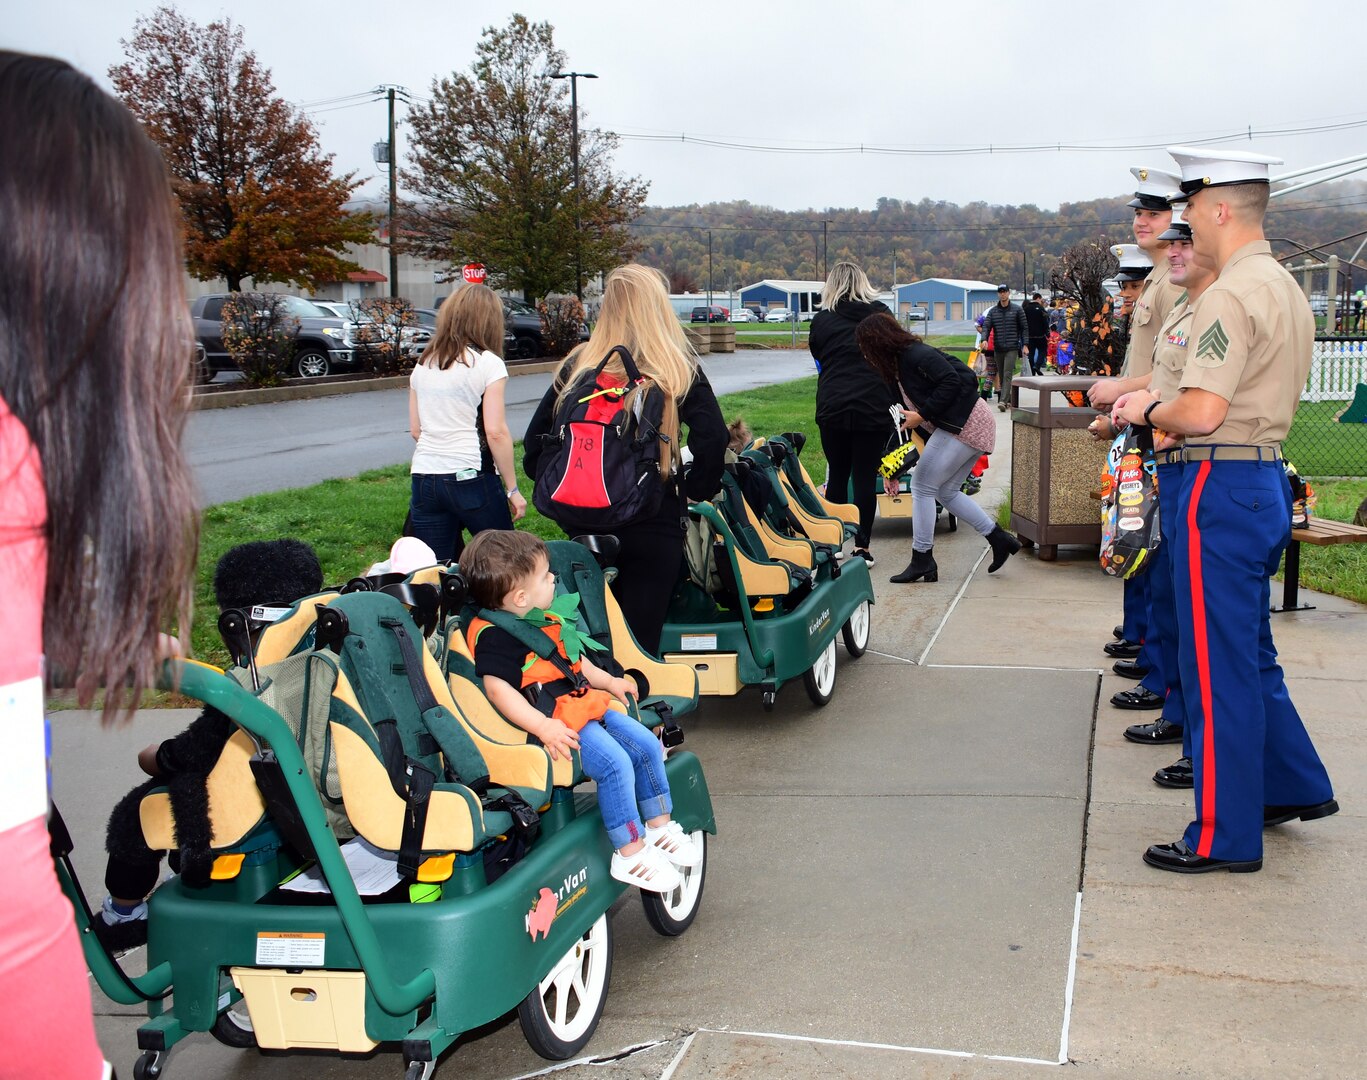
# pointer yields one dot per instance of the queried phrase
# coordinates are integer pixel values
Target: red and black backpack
(600, 467)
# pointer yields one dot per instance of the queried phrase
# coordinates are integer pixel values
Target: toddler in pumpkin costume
(579, 706)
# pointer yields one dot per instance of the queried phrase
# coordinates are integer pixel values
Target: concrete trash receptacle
(1055, 466)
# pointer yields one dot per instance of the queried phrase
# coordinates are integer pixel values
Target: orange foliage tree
(257, 195)
(1080, 278)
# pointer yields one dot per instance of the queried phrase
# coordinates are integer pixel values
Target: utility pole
(824, 223)
(1025, 276)
(709, 274)
(574, 77)
(393, 203)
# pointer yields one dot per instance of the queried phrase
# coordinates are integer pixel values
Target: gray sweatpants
(938, 475)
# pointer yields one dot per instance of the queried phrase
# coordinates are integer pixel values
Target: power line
(781, 146)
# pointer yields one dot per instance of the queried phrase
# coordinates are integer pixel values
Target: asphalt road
(259, 448)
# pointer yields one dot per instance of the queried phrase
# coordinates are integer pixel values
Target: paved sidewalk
(899, 876)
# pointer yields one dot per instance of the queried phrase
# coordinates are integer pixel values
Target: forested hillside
(936, 239)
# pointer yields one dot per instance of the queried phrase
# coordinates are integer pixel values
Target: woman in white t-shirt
(455, 412)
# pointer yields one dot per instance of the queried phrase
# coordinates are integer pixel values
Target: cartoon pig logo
(542, 915)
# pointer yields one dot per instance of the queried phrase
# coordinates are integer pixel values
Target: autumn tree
(257, 195)
(1080, 278)
(490, 166)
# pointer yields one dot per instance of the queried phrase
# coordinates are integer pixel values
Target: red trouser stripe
(1206, 810)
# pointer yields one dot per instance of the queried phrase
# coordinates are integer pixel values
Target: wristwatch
(511, 492)
(1152, 405)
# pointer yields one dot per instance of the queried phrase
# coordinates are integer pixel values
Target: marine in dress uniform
(1249, 348)
(1169, 361)
(1138, 656)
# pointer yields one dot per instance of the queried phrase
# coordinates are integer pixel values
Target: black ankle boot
(1003, 545)
(921, 568)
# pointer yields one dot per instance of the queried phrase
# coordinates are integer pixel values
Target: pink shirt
(46, 1026)
(23, 553)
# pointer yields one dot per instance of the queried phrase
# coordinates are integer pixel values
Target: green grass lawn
(1342, 568)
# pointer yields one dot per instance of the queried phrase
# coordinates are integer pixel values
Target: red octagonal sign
(474, 272)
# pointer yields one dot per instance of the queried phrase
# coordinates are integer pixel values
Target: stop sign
(474, 272)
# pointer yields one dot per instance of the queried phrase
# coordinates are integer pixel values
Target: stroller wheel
(819, 679)
(149, 1065)
(953, 523)
(234, 1027)
(559, 1016)
(856, 630)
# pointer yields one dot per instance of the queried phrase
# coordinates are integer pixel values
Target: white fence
(1336, 370)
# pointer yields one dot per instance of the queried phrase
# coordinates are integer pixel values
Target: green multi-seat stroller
(499, 888)
(766, 595)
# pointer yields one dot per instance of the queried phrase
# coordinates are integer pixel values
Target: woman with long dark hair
(942, 395)
(851, 402)
(97, 514)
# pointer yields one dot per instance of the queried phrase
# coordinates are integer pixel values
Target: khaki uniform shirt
(1252, 336)
(1150, 311)
(1170, 354)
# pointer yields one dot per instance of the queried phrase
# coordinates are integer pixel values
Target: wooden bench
(1322, 533)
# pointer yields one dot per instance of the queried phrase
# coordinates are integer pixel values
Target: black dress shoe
(1280, 815)
(1122, 649)
(1130, 669)
(1118, 632)
(1138, 698)
(1160, 731)
(1181, 859)
(1176, 775)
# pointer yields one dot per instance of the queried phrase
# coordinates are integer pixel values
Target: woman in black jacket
(943, 395)
(851, 401)
(636, 313)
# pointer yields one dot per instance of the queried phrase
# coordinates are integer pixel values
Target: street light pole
(709, 275)
(393, 204)
(574, 77)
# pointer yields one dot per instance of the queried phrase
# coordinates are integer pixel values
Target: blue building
(946, 298)
(804, 297)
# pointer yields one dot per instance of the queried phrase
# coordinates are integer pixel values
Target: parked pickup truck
(324, 342)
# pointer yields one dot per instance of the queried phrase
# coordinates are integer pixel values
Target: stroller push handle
(212, 687)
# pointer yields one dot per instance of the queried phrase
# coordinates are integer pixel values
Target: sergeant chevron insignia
(1212, 346)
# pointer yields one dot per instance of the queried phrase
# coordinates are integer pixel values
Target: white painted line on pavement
(890, 656)
(953, 604)
(1017, 667)
(880, 1046)
(1072, 976)
(669, 1072)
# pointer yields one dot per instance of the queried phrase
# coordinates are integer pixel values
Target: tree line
(489, 178)
(1014, 244)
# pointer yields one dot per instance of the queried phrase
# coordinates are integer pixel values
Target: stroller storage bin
(316, 1010)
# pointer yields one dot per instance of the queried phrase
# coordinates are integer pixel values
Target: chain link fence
(1329, 435)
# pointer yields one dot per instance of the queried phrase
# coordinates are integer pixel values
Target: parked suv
(522, 337)
(708, 314)
(324, 341)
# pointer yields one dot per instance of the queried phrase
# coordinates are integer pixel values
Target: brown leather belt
(1219, 452)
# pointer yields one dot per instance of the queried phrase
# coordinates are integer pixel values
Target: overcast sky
(937, 75)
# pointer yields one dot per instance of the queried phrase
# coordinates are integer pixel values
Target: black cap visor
(1149, 202)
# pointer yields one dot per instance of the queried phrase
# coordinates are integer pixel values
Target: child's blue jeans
(623, 757)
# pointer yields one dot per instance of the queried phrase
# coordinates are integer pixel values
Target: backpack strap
(633, 373)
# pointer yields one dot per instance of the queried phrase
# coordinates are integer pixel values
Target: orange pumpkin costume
(575, 705)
